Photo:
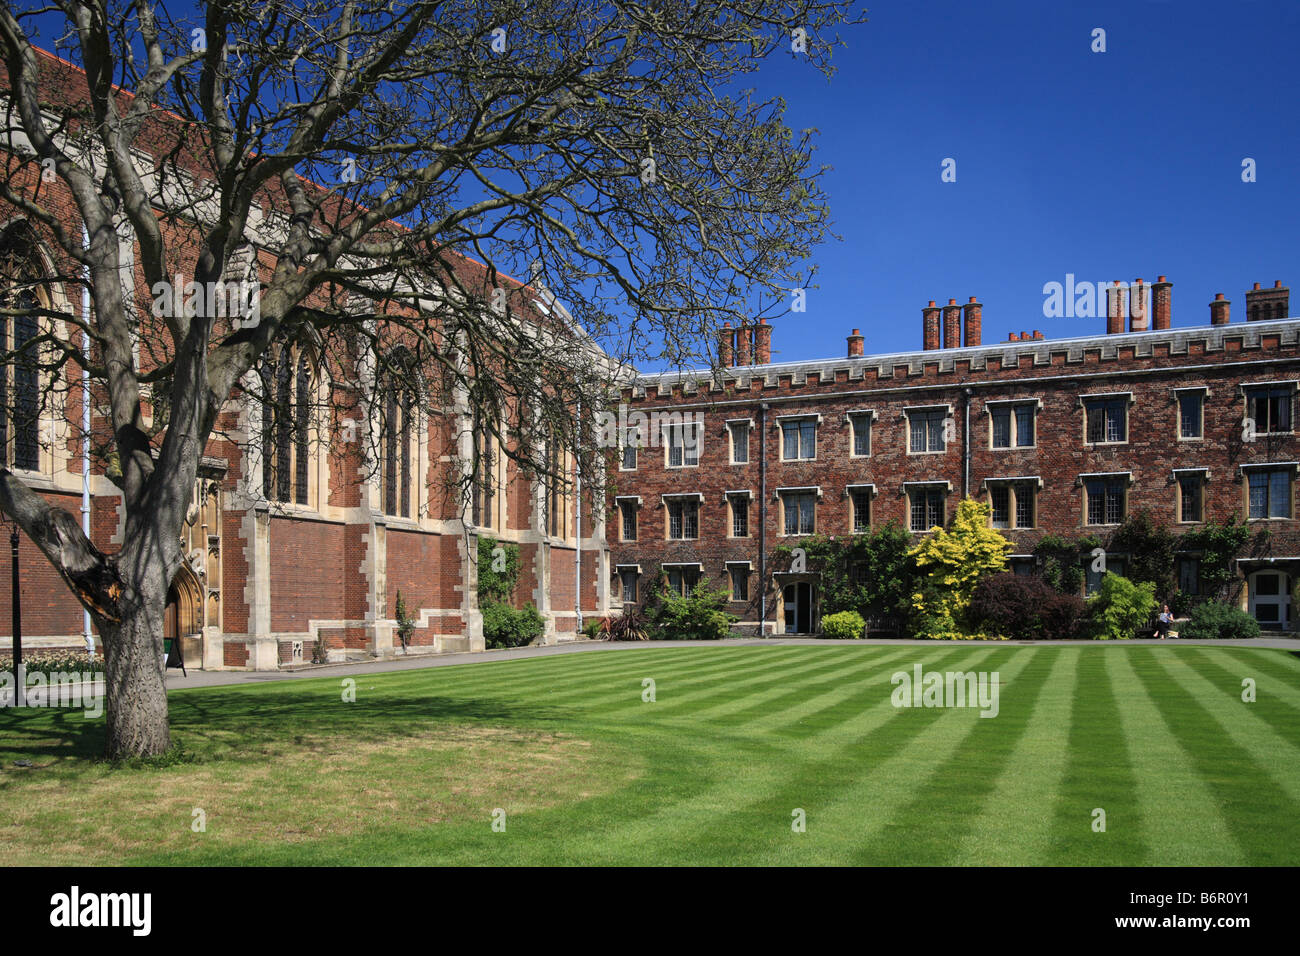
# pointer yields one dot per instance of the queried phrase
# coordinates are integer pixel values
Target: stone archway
(183, 619)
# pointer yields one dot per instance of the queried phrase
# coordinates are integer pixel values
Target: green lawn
(738, 738)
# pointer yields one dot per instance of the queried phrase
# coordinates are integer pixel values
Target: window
(398, 439)
(484, 497)
(927, 508)
(739, 516)
(627, 510)
(1190, 496)
(555, 516)
(926, 429)
(739, 442)
(1269, 408)
(1105, 500)
(683, 445)
(739, 582)
(1190, 415)
(629, 458)
(861, 501)
(800, 512)
(1189, 575)
(1013, 425)
(861, 428)
(1012, 503)
(1000, 499)
(799, 439)
(20, 273)
(1022, 565)
(683, 520)
(628, 579)
(1270, 492)
(1107, 420)
(288, 384)
(682, 580)
(1001, 427)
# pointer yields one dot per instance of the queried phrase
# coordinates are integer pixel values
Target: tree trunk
(136, 707)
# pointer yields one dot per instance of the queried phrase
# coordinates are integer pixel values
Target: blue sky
(1107, 165)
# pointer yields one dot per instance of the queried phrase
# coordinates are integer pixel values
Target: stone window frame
(622, 525)
(910, 486)
(1204, 392)
(693, 496)
(1176, 478)
(731, 424)
(731, 567)
(908, 411)
(1081, 482)
(1245, 388)
(852, 417)
(1244, 470)
(780, 421)
(780, 495)
(869, 489)
(1014, 429)
(1014, 484)
(727, 497)
(1108, 397)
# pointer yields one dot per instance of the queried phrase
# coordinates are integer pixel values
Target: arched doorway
(1270, 599)
(183, 618)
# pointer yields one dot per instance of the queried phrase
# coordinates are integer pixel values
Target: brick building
(1059, 436)
(295, 538)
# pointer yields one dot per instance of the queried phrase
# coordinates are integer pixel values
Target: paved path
(176, 681)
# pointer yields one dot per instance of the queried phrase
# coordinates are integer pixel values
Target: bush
(1120, 608)
(1025, 608)
(595, 627)
(629, 626)
(504, 626)
(952, 561)
(1214, 619)
(698, 617)
(844, 626)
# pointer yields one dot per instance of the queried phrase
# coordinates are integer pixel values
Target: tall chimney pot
(1219, 310)
(952, 325)
(930, 327)
(973, 323)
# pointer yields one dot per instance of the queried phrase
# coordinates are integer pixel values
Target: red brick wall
(305, 589)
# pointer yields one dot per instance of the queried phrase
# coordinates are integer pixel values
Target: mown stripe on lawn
(716, 824)
(936, 819)
(1212, 726)
(1011, 825)
(1277, 689)
(847, 793)
(1180, 814)
(1098, 776)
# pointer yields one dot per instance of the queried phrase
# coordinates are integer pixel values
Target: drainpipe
(762, 518)
(577, 510)
(86, 633)
(965, 443)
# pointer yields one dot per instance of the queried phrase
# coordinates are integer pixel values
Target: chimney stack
(1263, 305)
(1037, 334)
(744, 351)
(1162, 304)
(1116, 309)
(973, 320)
(762, 343)
(952, 325)
(1219, 310)
(930, 327)
(855, 344)
(1013, 337)
(1139, 319)
(726, 345)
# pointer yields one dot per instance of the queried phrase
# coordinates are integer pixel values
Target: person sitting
(1163, 623)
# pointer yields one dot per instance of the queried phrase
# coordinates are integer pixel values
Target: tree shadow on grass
(235, 724)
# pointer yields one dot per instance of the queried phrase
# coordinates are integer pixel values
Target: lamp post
(20, 679)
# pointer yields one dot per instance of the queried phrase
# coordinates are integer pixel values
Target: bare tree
(356, 163)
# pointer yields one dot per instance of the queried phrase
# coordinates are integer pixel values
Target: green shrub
(844, 626)
(629, 626)
(59, 661)
(1214, 619)
(697, 617)
(594, 628)
(504, 626)
(1120, 608)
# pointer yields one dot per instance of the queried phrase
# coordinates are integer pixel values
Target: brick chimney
(726, 345)
(930, 327)
(1138, 318)
(855, 344)
(1013, 337)
(1116, 309)
(744, 343)
(762, 343)
(1162, 304)
(952, 325)
(1037, 334)
(1219, 310)
(973, 321)
(1263, 305)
